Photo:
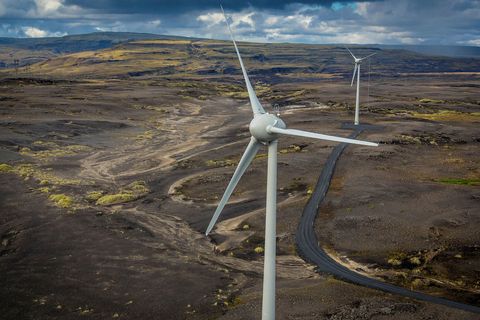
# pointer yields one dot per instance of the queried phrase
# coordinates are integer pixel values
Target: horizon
(259, 41)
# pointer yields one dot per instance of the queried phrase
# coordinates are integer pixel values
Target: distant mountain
(82, 42)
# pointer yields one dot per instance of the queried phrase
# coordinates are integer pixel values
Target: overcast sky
(384, 21)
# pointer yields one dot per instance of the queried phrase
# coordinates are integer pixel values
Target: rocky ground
(108, 185)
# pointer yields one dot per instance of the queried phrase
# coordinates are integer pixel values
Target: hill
(174, 57)
(31, 50)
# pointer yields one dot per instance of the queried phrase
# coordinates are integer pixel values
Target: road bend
(311, 251)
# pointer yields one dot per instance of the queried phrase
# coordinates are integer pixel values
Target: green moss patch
(221, 163)
(52, 150)
(460, 181)
(93, 196)
(131, 192)
(406, 260)
(147, 135)
(117, 198)
(61, 200)
(292, 148)
(449, 115)
(29, 171)
(5, 167)
(258, 250)
(45, 189)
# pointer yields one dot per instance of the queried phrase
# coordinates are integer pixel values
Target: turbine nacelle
(261, 124)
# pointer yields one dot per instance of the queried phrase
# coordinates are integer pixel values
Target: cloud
(48, 6)
(473, 42)
(178, 6)
(310, 21)
(211, 18)
(32, 32)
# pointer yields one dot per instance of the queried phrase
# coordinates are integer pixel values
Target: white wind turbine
(357, 67)
(265, 129)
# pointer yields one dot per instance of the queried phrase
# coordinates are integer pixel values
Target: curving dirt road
(311, 251)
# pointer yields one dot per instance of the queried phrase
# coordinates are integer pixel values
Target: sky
(440, 22)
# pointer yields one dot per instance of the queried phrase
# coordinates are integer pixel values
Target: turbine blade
(368, 56)
(254, 102)
(354, 71)
(245, 161)
(306, 134)
(351, 53)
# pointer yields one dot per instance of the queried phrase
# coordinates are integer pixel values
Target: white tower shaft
(265, 129)
(357, 101)
(268, 303)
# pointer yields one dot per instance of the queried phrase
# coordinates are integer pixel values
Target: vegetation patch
(239, 92)
(147, 135)
(292, 148)
(5, 167)
(110, 199)
(49, 150)
(133, 191)
(258, 250)
(138, 187)
(405, 260)
(93, 196)
(29, 171)
(45, 189)
(434, 139)
(61, 200)
(250, 249)
(449, 115)
(460, 181)
(309, 190)
(221, 163)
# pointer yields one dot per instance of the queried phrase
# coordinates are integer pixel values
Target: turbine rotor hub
(259, 127)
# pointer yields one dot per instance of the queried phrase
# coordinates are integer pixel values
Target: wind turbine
(357, 66)
(265, 129)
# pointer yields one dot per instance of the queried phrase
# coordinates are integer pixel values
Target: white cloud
(240, 18)
(32, 32)
(300, 19)
(387, 21)
(210, 19)
(271, 21)
(50, 9)
(237, 19)
(474, 42)
(48, 6)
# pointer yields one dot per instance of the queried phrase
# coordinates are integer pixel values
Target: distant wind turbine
(265, 129)
(357, 67)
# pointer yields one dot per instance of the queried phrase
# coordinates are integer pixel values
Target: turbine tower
(265, 129)
(357, 66)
